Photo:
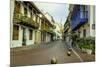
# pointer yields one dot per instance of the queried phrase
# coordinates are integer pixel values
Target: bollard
(70, 49)
(53, 61)
(69, 53)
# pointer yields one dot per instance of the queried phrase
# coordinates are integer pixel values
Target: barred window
(25, 11)
(84, 32)
(15, 32)
(30, 34)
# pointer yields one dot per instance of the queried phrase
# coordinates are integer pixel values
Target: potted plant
(89, 45)
(89, 49)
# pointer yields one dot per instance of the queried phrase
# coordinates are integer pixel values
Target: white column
(28, 11)
(22, 9)
(11, 18)
(92, 20)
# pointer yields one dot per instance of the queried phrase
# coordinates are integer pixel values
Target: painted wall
(22, 9)
(92, 20)
(17, 43)
(29, 42)
(87, 28)
(48, 37)
(11, 19)
(37, 37)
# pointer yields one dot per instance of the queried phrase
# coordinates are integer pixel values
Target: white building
(25, 20)
(57, 31)
(29, 26)
(82, 30)
(88, 29)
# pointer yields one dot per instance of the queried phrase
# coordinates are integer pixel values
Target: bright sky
(59, 11)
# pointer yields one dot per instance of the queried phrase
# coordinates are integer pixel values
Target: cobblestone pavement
(42, 54)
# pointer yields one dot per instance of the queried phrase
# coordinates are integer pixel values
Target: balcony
(46, 28)
(83, 16)
(79, 18)
(24, 20)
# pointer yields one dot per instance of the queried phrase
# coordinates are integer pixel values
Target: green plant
(86, 43)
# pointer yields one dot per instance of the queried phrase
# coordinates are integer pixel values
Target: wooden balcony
(24, 20)
(46, 28)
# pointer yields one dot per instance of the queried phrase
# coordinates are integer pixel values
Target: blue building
(79, 16)
(82, 20)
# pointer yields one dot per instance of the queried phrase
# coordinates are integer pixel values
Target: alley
(43, 54)
(39, 34)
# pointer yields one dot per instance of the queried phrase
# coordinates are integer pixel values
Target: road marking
(77, 55)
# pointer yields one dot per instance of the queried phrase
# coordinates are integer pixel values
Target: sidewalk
(86, 57)
(29, 47)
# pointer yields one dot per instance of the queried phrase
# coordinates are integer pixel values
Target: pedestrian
(70, 43)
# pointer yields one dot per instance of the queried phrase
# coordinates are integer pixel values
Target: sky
(59, 11)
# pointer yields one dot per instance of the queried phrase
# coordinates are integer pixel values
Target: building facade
(28, 25)
(58, 31)
(81, 21)
(67, 29)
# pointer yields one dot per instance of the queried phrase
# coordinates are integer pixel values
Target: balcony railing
(25, 20)
(46, 28)
(16, 18)
(80, 18)
(83, 14)
(83, 17)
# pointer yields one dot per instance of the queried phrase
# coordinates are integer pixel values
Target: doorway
(24, 37)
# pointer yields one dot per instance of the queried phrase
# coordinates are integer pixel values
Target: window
(84, 33)
(25, 11)
(31, 14)
(15, 32)
(31, 10)
(17, 7)
(78, 7)
(30, 34)
(93, 26)
(84, 8)
(34, 15)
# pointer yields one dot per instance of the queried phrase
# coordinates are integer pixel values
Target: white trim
(77, 55)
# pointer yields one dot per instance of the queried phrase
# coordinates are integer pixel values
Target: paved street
(33, 55)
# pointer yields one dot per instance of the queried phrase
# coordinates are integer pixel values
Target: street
(42, 54)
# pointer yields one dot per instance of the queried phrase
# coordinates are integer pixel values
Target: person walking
(70, 44)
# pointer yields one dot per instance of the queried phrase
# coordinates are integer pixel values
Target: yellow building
(27, 24)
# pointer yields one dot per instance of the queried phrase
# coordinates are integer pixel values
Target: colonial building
(58, 31)
(28, 25)
(50, 28)
(46, 30)
(81, 20)
(67, 28)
